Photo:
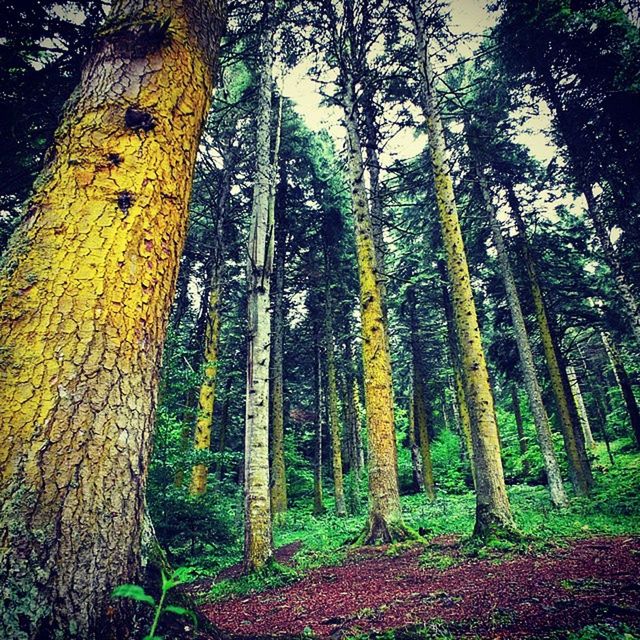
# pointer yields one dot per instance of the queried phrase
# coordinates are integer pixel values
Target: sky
(470, 16)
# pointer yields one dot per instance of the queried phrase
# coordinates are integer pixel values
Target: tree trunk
(318, 500)
(257, 546)
(493, 512)
(385, 516)
(222, 434)
(622, 378)
(206, 398)
(579, 468)
(582, 409)
(85, 293)
(416, 465)
(278, 470)
(332, 393)
(527, 366)
(522, 438)
(458, 385)
(419, 397)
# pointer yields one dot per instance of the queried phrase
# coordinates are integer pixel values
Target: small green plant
(182, 575)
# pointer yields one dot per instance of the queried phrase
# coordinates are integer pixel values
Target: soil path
(589, 581)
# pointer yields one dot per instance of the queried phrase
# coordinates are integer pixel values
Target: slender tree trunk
(416, 465)
(458, 384)
(85, 292)
(419, 397)
(579, 468)
(332, 393)
(493, 512)
(527, 366)
(622, 378)
(318, 500)
(278, 470)
(522, 438)
(385, 516)
(222, 434)
(582, 409)
(211, 338)
(257, 547)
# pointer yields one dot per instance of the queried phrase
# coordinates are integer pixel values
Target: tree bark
(493, 512)
(332, 393)
(85, 292)
(416, 465)
(527, 366)
(582, 409)
(278, 469)
(579, 468)
(385, 516)
(318, 499)
(258, 539)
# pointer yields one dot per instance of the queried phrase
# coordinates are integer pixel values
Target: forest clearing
(319, 319)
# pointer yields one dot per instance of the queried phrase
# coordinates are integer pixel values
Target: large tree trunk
(258, 538)
(278, 469)
(527, 366)
(493, 512)
(85, 291)
(385, 516)
(579, 468)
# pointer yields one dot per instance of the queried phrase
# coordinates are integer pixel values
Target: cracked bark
(85, 291)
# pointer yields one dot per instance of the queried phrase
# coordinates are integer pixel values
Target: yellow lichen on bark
(385, 521)
(206, 399)
(421, 419)
(85, 289)
(493, 512)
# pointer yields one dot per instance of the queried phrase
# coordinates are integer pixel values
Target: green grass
(612, 509)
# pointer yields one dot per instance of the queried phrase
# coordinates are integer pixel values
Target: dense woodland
(238, 350)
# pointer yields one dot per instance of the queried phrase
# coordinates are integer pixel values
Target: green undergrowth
(613, 508)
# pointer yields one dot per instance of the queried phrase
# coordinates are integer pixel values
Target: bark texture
(85, 291)
(527, 366)
(579, 468)
(385, 521)
(258, 538)
(493, 512)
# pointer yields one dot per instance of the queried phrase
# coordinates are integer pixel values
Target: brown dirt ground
(531, 595)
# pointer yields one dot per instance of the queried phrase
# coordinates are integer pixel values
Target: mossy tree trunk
(579, 468)
(385, 516)
(85, 292)
(278, 468)
(493, 512)
(318, 497)
(527, 366)
(522, 438)
(332, 390)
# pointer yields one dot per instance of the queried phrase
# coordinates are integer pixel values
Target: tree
(82, 339)
(258, 539)
(493, 512)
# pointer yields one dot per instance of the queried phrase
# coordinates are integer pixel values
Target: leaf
(181, 611)
(182, 575)
(133, 592)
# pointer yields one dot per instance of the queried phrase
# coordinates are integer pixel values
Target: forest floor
(591, 582)
(576, 575)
